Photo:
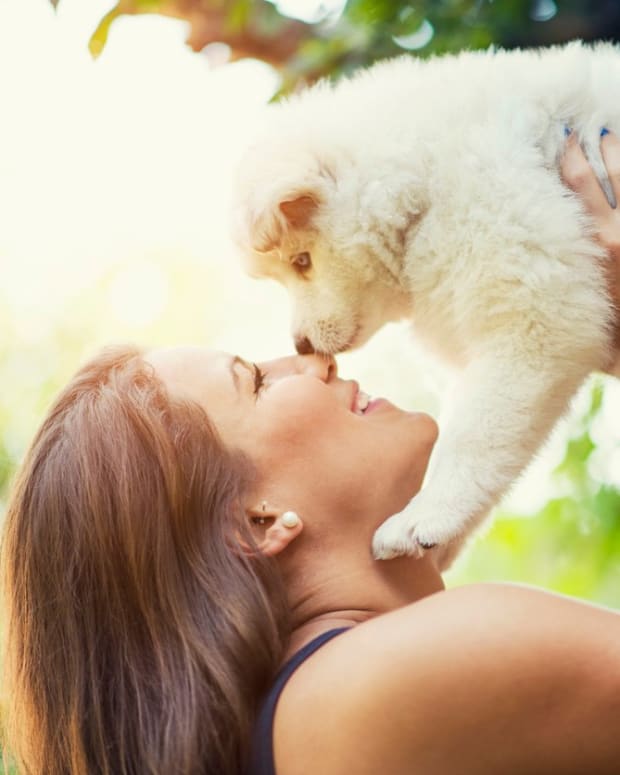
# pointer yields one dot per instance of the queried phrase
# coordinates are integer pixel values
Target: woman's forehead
(186, 358)
(191, 369)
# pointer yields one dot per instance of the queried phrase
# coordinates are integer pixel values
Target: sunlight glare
(106, 158)
(138, 294)
(310, 11)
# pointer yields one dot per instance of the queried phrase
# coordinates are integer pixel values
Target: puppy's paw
(395, 539)
(410, 533)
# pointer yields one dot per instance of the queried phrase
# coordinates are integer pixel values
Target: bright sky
(110, 163)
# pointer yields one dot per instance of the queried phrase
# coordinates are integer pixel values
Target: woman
(186, 522)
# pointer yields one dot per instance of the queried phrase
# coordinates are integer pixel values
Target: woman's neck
(326, 593)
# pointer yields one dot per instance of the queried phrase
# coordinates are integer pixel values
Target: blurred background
(121, 126)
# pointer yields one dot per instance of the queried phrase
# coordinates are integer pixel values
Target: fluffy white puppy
(430, 190)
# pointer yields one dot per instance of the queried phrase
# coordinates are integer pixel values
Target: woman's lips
(376, 403)
(359, 399)
(362, 403)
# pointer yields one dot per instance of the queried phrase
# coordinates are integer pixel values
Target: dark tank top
(261, 759)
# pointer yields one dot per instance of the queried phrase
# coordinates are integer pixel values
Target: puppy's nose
(304, 346)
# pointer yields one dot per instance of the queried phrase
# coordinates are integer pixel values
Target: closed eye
(259, 379)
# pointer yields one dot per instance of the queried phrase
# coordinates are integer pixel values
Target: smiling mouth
(360, 402)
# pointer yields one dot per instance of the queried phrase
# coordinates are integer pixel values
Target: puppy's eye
(301, 261)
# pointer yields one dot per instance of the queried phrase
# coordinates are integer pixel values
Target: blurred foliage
(344, 36)
(572, 545)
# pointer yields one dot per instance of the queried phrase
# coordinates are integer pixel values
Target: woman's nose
(319, 365)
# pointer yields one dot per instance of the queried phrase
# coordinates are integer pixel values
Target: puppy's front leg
(508, 401)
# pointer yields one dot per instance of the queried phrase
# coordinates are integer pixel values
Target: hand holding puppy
(579, 175)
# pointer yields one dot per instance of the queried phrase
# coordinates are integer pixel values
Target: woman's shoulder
(403, 682)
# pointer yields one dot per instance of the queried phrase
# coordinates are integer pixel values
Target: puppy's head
(298, 218)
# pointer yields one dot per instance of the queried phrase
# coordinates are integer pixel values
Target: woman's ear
(284, 529)
(273, 529)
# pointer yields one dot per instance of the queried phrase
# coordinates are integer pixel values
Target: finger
(610, 149)
(579, 175)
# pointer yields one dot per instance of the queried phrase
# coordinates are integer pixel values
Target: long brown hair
(138, 636)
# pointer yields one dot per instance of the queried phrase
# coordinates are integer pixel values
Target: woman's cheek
(292, 415)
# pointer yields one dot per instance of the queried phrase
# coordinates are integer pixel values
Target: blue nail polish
(604, 132)
(567, 131)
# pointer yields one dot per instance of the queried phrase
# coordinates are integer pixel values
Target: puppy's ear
(274, 199)
(268, 227)
(299, 211)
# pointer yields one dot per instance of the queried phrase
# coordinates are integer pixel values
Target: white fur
(437, 197)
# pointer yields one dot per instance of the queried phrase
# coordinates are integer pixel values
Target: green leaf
(99, 37)
(606, 505)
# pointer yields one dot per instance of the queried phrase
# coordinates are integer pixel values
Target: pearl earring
(290, 519)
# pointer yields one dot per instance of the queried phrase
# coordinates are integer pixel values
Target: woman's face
(312, 439)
